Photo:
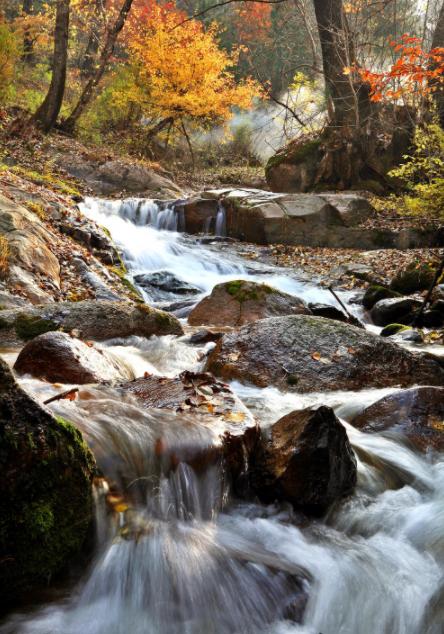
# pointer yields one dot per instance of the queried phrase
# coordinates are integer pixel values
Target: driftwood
(69, 394)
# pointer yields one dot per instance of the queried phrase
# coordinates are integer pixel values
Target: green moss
(29, 326)
(46, 178)
(39, 520)
(121, 272)
(416, 277)
(292, 379)
(294, 154)
(375, 293)
(243, 291)
(393, 329)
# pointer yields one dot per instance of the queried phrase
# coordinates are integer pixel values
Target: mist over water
(185, 556)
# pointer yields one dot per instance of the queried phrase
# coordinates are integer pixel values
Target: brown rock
(310, 354)
(307, 461)
(417, 413)
(59, 358)
(239, 302)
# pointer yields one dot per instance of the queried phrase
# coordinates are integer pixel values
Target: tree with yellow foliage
(180, 74)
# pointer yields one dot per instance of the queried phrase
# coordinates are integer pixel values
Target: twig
(62, 395)
(351, 318)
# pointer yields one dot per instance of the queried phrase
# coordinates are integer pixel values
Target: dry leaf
(316, 356)
(235, 417)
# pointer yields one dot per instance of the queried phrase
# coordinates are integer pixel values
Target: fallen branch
(354, 321)
(69, 394)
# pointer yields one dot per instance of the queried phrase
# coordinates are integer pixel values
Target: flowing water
(182, 555)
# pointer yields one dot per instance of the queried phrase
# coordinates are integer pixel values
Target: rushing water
(183, 556)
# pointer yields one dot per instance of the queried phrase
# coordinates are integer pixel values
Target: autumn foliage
(415, 72)
(181, 72)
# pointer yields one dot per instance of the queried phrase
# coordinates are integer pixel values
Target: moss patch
(393, 329)
(375, 293)
(416, 277)
(242, 291)
(29, 326)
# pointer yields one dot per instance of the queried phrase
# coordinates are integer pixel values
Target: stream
(186, 557)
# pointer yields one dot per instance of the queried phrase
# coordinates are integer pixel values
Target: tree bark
(28, 43)
(47, 113)
(92, 48)
(91, 85)
(438, 42)
(337, 53)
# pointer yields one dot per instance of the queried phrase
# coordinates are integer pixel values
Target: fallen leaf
(235, 417)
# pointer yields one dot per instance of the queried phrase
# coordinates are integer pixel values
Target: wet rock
(239, 302)
(91, 278)
(312, 354)
(59, 358)
(397, 310)
(417, 414)
(375, 293)
(201, 395)
(432, 319)
(328, 311)
(97, 320)
(162, 284)
(204, 336)
(45, 492)
(87, 233)
(31, 260)
(307, 460)
(414, 278)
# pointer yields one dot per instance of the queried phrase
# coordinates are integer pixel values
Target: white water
(186, 558)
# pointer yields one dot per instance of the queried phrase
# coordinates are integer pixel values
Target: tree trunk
(337, 54)
(28, 43)
(91, 85)
(92, 48)
(47, 113)
(438, 42)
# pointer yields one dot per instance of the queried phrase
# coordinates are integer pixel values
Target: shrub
(9, 55)
(422, 173)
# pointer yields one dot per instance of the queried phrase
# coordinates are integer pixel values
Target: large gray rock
(45, 492)
(417, 414)
(59, 358)
(313, 354)
(32, 262)
(239, 302)
(115, 176)
(97, 320)
(324, 220)
(307, 460)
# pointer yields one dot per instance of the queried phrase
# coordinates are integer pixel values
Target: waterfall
(221, 223)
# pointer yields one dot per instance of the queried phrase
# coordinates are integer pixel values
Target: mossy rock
(45, 492)
(414, 278)
(393, 329)
(375, 293)
(29, 326)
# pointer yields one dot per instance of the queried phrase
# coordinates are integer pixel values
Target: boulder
(201, 395)
(59, 358)
(97, 320)
(328, 311)
(417, 414)
(414, 278)
(307, 461)
(396, 310)
(162, 284)
(375, 293)
(239, 302)
(31, 258)
(46, 506)
(312, 354)
(112, 176)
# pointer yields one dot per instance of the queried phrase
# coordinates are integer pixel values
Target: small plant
(422, 173)
(4, 256)
(37, 209)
